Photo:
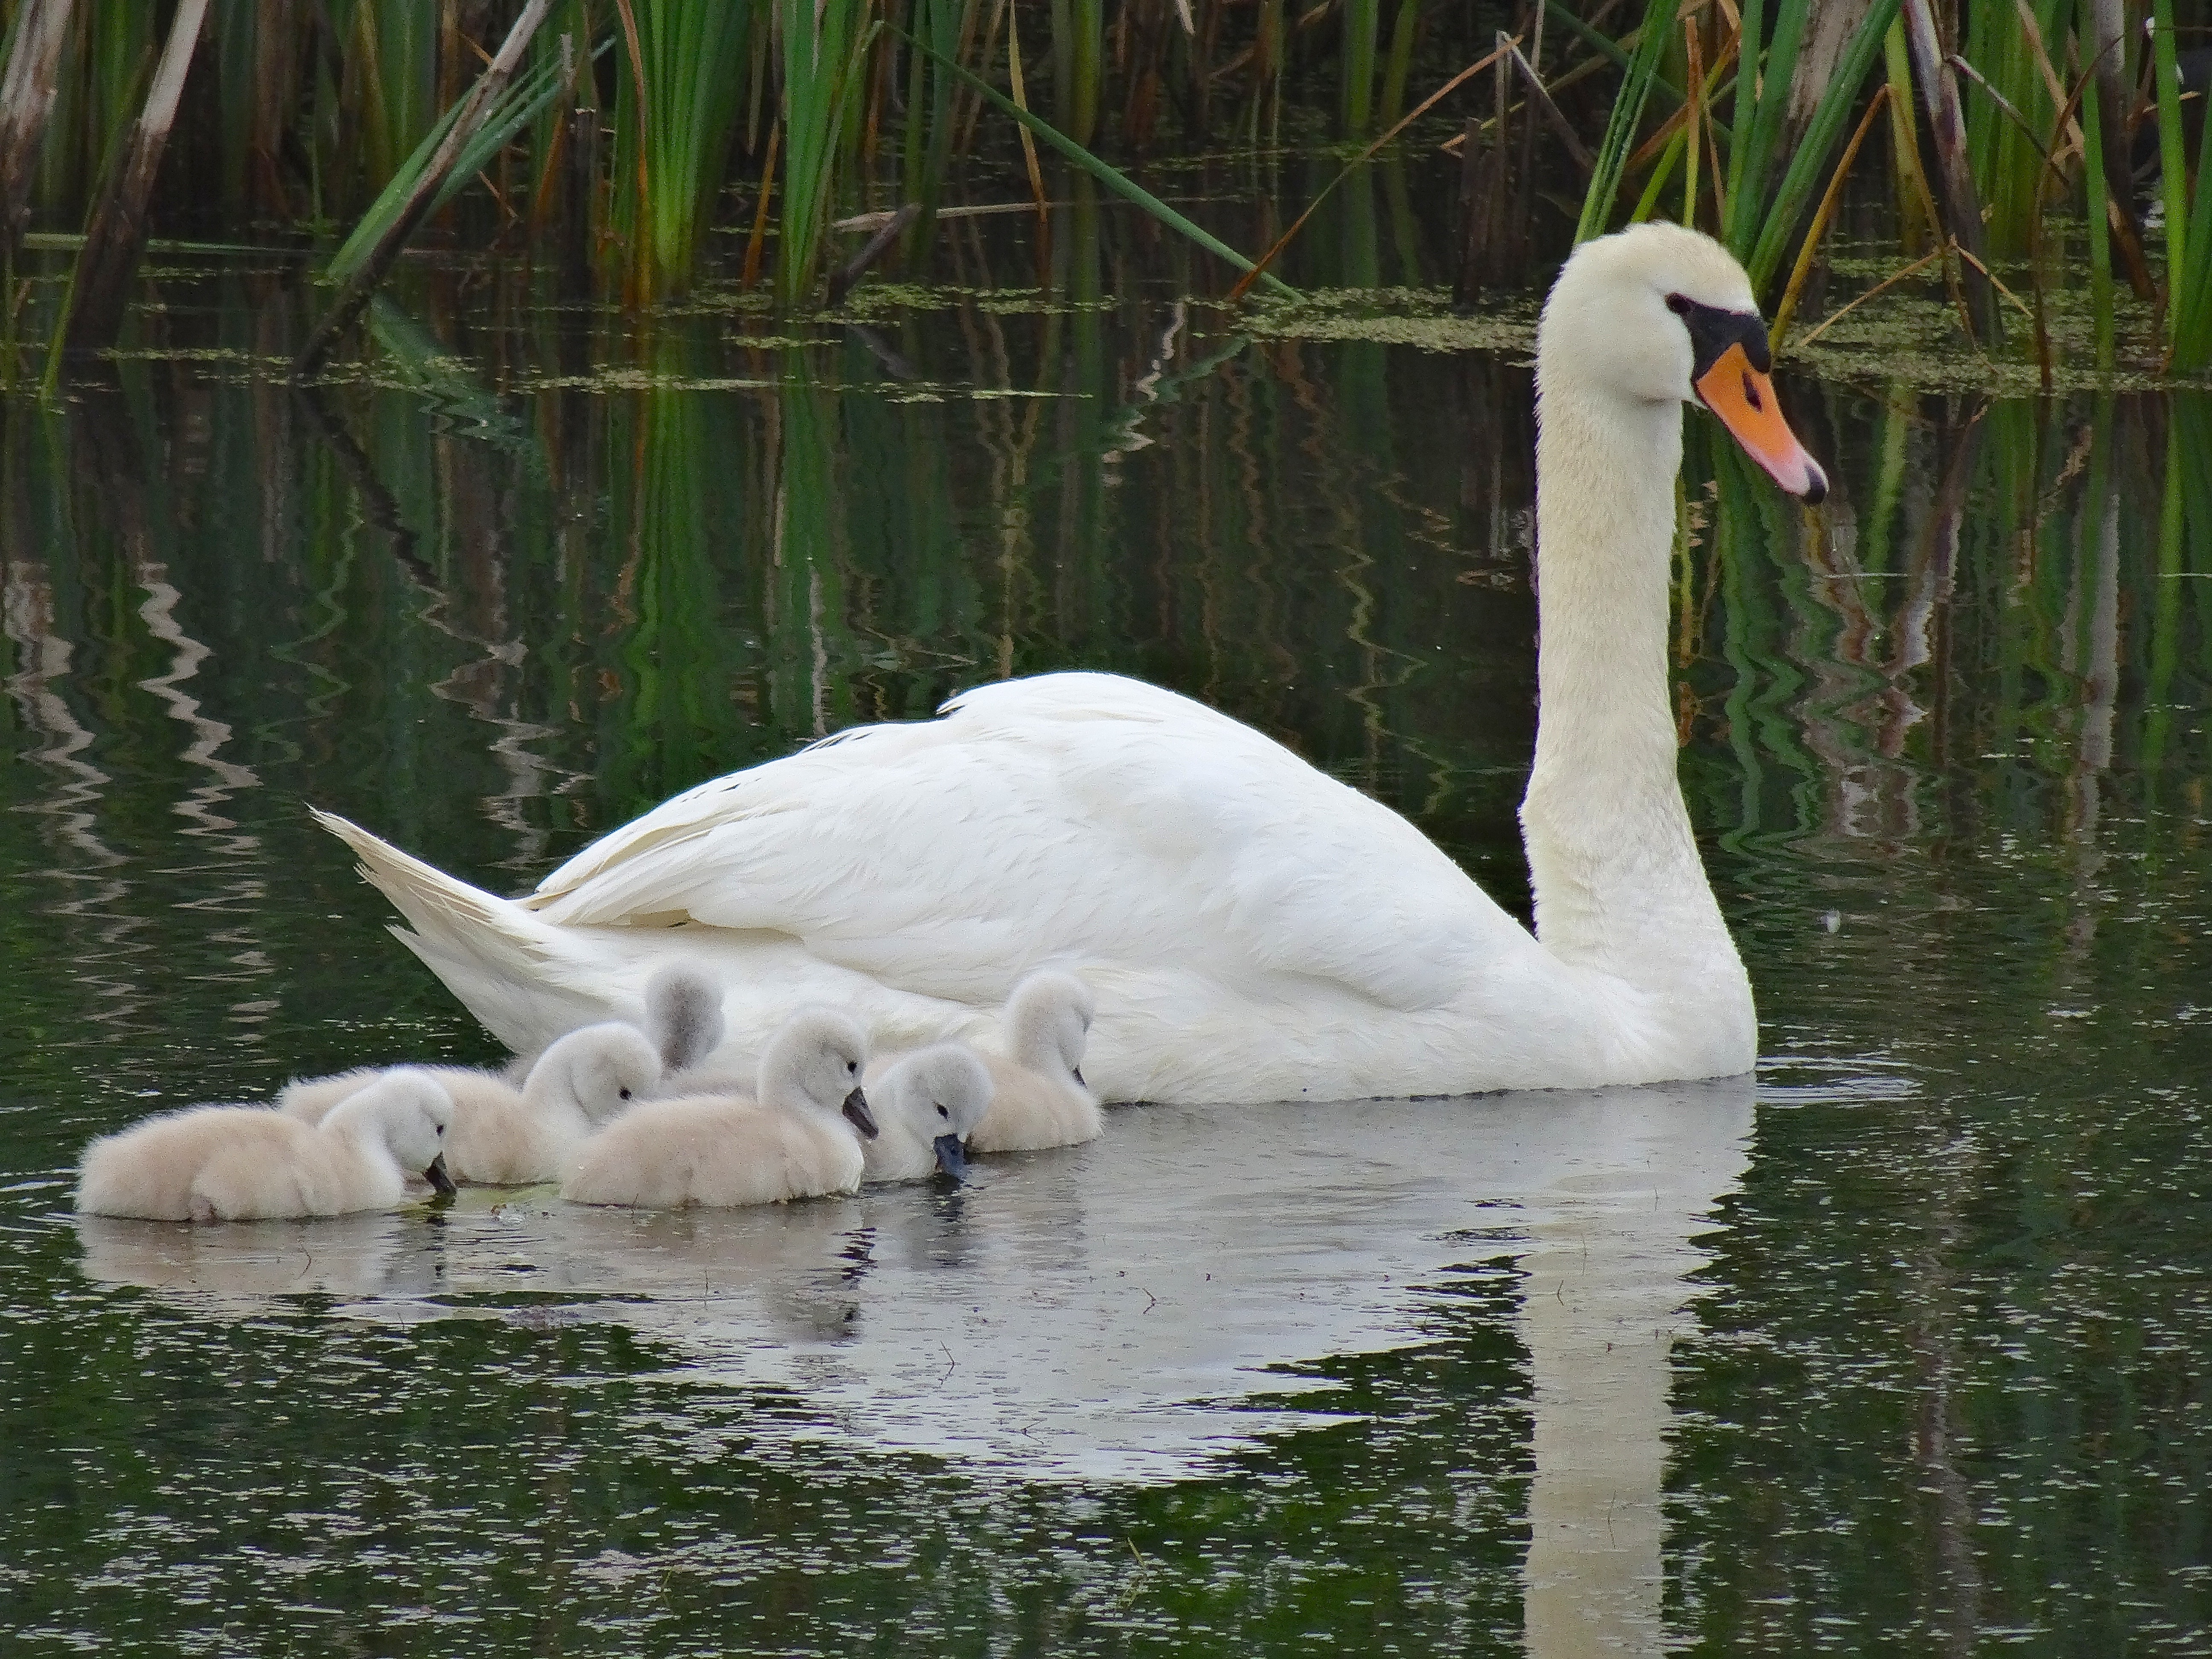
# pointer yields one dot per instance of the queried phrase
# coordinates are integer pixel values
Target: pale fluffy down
(684, 1016)
(1253, 929)
(797, 1139)
(503, 1136)
(250, 1164)
(1038, 1096)
(927, 1099)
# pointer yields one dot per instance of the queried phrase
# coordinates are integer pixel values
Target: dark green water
(1905, 1350)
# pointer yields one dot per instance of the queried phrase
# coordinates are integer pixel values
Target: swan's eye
(941, 1112)
(1679, 304)
(624, 1093)
(440, 1128)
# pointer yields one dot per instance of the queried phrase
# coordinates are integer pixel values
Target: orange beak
(1744, 401)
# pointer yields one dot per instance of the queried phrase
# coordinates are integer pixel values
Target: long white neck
(1618, 884)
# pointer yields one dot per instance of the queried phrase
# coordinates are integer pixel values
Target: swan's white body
(503, 1136)
(1254, 930)
(721, 1151)
(251, 1164)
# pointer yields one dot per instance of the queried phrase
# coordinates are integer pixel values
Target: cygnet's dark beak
(951, 1156)
(438, 1178)
(856, 1110)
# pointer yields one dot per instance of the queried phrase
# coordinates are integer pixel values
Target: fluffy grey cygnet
(250, 1164)
(682, 1017)
(927, 1105)
(503, 1136)
(1039, 1096)
(797, 1137)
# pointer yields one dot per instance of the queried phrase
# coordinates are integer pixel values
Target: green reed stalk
(1404, 31)
(1363, 24)
(1915, 213)
(2008, 165)
(1766, 87)
(1110, 176)
(1762, 222)
(2172, 165)
(930, 113)
(1079, 49)
(99, 86)
(823, 62)
(2188, 235)
(1620, 128)
(2100, 230)
(690, 60)
(391, 57)
(515, 109)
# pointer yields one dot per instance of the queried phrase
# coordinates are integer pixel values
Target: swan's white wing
(1081, 818)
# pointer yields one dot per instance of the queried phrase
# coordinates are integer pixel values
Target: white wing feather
(1076, 817)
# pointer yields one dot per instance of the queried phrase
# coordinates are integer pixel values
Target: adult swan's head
(1659, 315)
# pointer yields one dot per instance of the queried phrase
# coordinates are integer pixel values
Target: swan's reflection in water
(1105, 1313)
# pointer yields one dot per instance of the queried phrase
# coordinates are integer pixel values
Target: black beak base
(951, 1156)
(437, 1176)
(858, 1114)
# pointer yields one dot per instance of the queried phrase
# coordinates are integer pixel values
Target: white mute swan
(503, 1136)
(250, 1164)
(799, 1139)
(926, 1106)
(1253, 929)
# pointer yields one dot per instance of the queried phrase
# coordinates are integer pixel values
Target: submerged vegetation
(2014, 152)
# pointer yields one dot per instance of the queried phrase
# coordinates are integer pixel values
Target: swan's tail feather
(503, 963)
(452, 917)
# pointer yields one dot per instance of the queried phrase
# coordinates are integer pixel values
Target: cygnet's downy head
(684, 1016)
(598, 1069)
(819, 1055)
(408, 1111)
(940, 1094)
(1661, 313)
(1049, 1024)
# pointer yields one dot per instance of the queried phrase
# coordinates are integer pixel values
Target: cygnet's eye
(852, 1066)
(624, 1093)
(941, 1112)
(1679, 304)
(440, 1127)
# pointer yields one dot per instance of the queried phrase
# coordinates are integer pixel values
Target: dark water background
(1939, 1380)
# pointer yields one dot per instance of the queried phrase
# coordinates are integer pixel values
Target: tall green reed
(824, 66)
(2188, 230)
(678, 112)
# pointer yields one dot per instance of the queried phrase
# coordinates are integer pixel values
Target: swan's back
(1073, 816)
